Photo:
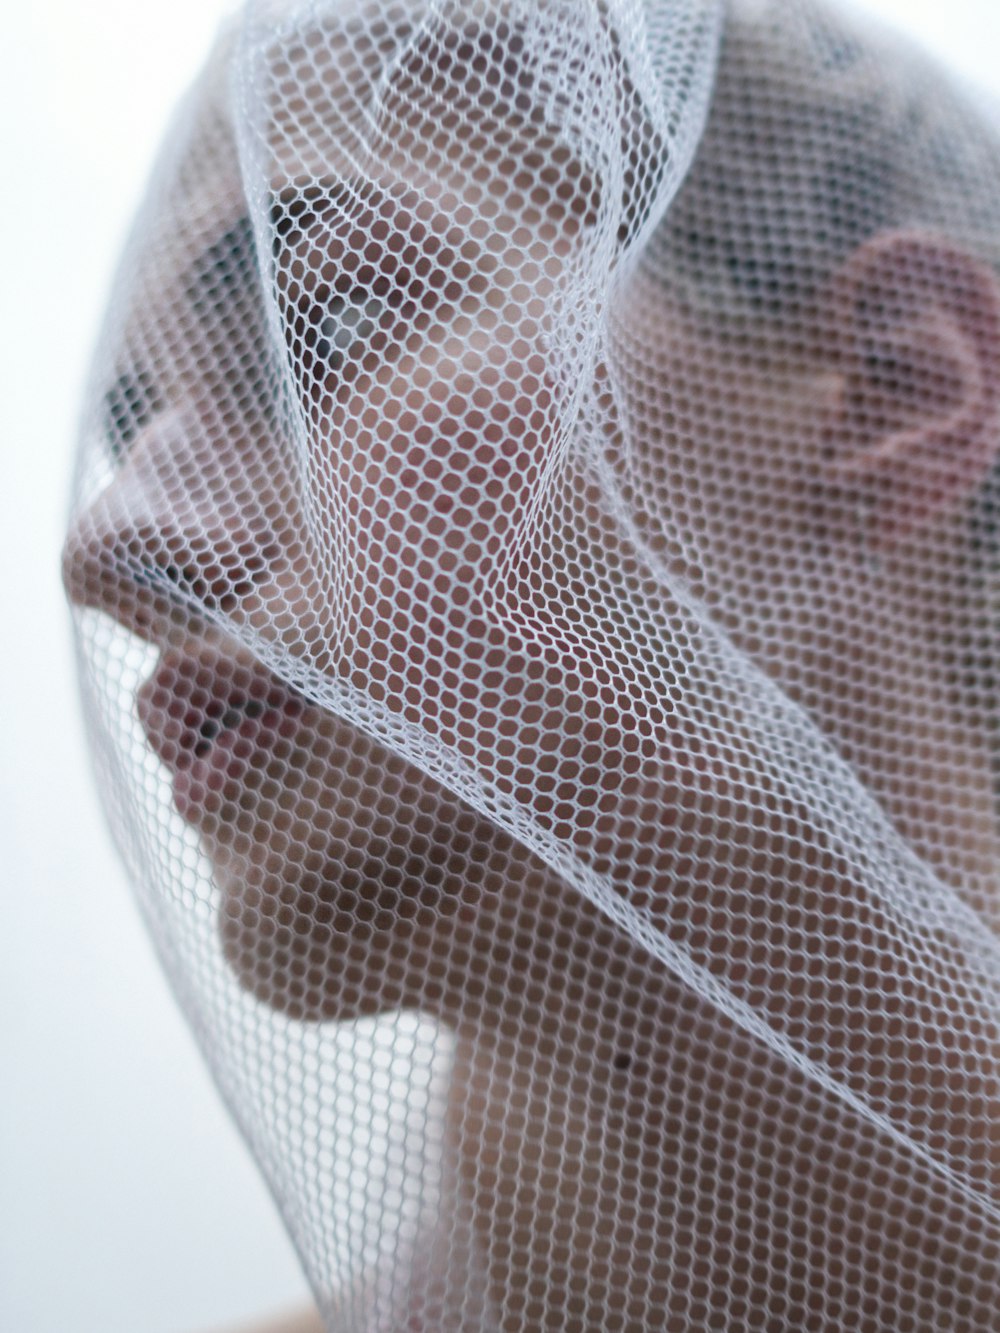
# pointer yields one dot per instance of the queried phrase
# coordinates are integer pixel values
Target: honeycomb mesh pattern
(534, 563)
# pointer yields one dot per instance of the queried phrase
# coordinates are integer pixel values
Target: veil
(533, 563)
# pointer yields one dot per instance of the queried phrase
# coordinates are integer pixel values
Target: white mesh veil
(534, 562)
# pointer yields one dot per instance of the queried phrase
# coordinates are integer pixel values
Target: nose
(170, 535)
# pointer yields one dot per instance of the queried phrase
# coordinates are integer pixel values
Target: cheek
(769, 430)
(760, 480)
(437, 470)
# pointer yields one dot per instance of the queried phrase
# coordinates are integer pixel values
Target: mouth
(209, 713)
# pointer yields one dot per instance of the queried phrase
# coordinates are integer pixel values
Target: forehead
(454, 111)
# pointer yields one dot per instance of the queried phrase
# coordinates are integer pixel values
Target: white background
(127, 1204)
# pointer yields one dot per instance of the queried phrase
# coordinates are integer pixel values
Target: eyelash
(347, 321)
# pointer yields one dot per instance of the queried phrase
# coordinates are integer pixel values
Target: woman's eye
(347, 322)
(345, 311)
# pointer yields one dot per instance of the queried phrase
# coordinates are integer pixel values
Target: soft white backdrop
(127, 1203)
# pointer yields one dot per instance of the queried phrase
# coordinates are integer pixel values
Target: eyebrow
(223, 268)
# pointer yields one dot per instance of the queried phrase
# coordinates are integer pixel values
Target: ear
(917, 349)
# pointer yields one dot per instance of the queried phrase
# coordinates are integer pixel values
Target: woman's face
(327, 498)
(425, 368)
(413, 325)
(417, 336)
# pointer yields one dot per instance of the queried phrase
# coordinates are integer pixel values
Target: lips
(209, 713)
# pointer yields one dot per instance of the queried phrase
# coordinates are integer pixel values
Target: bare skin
(302, 1321)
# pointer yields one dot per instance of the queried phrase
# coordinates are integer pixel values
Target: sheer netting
(534, 559)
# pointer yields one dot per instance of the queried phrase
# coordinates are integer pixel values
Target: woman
(543, 496)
